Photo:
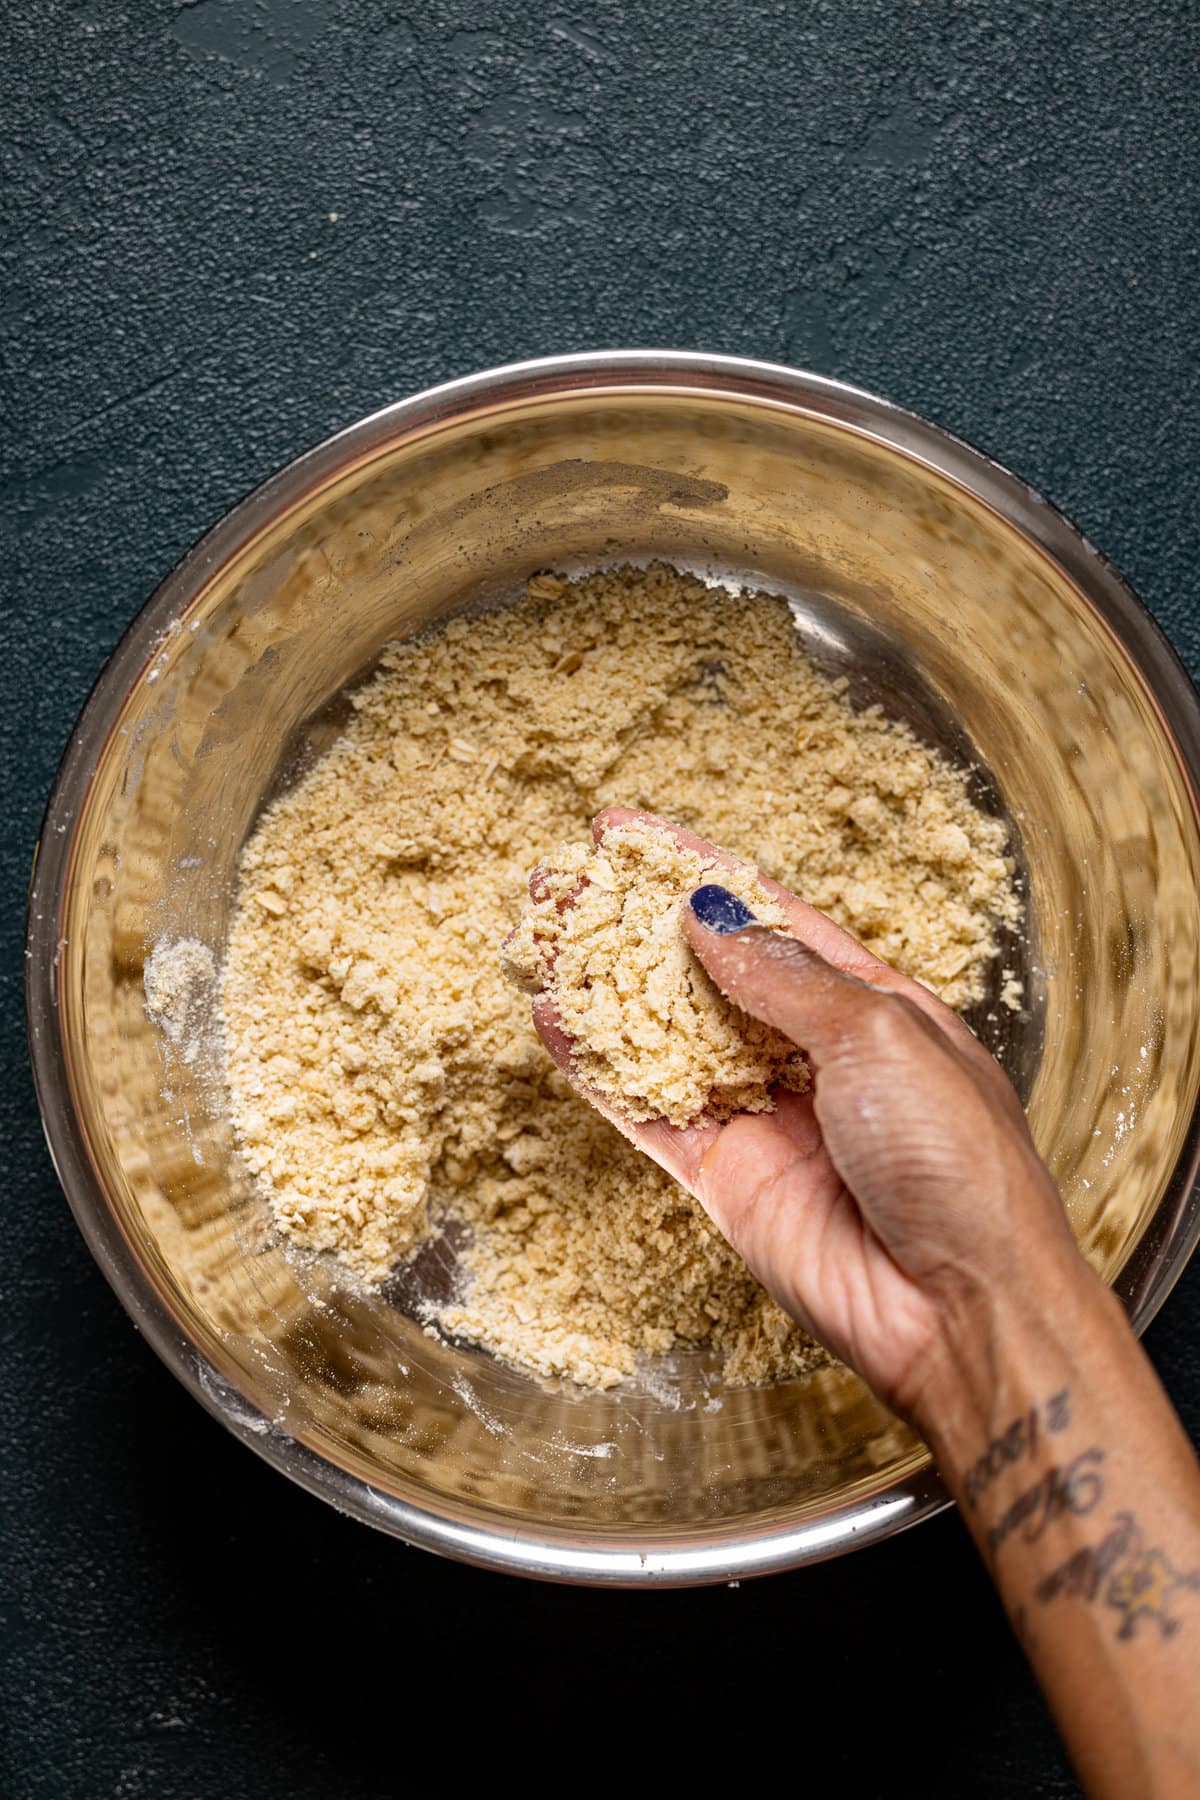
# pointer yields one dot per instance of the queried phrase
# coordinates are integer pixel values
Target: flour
(180, 987)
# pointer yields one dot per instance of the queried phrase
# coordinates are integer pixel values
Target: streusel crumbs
(385, 1077)
(650, 1029)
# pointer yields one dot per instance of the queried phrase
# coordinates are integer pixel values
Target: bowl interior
(936, 606)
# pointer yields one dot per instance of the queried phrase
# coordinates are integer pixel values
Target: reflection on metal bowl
(944, 588)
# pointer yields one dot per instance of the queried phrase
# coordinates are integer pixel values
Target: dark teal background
(985, 212)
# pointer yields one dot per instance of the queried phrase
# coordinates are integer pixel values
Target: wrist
(1006, 1348)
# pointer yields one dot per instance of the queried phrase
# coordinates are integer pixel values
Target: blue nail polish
(720, 911)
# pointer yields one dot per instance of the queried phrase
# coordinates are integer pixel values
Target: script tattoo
(1073, 1488)
(1016, 1442)
(1083, 1572)
(1121, 1571)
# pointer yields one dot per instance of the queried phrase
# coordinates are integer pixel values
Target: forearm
(884, 1211)
(1083, 1494)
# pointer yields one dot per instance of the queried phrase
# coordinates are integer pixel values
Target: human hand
(899, 1210)
(897, 1199)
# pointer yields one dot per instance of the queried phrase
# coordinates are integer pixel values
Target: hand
(898, 1197)
(900, 1211)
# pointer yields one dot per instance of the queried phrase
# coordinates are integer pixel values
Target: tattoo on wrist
(1136, 1581)
(1120, 1571)
(1073, 1488)
(1017, 1441)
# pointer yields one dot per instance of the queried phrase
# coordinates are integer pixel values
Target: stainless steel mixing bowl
(946, 589)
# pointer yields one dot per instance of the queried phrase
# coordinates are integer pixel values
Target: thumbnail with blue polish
(720, 911)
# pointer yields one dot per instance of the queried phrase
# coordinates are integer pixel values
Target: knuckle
(891, 1024)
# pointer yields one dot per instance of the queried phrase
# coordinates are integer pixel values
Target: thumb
(780, 980)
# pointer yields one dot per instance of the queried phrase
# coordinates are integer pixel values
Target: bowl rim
(703, 1556)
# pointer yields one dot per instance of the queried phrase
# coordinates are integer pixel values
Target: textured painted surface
(232, 225)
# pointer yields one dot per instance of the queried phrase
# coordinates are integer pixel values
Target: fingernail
(720, 911)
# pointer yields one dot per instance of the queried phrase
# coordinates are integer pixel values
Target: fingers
(548, 1026)
(812, 981)
(540, 887)
(801, 921)
(549, 883)
(837, 947)
(679, 1150)
(786, 984)
(829, 1012)
(533, 973)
